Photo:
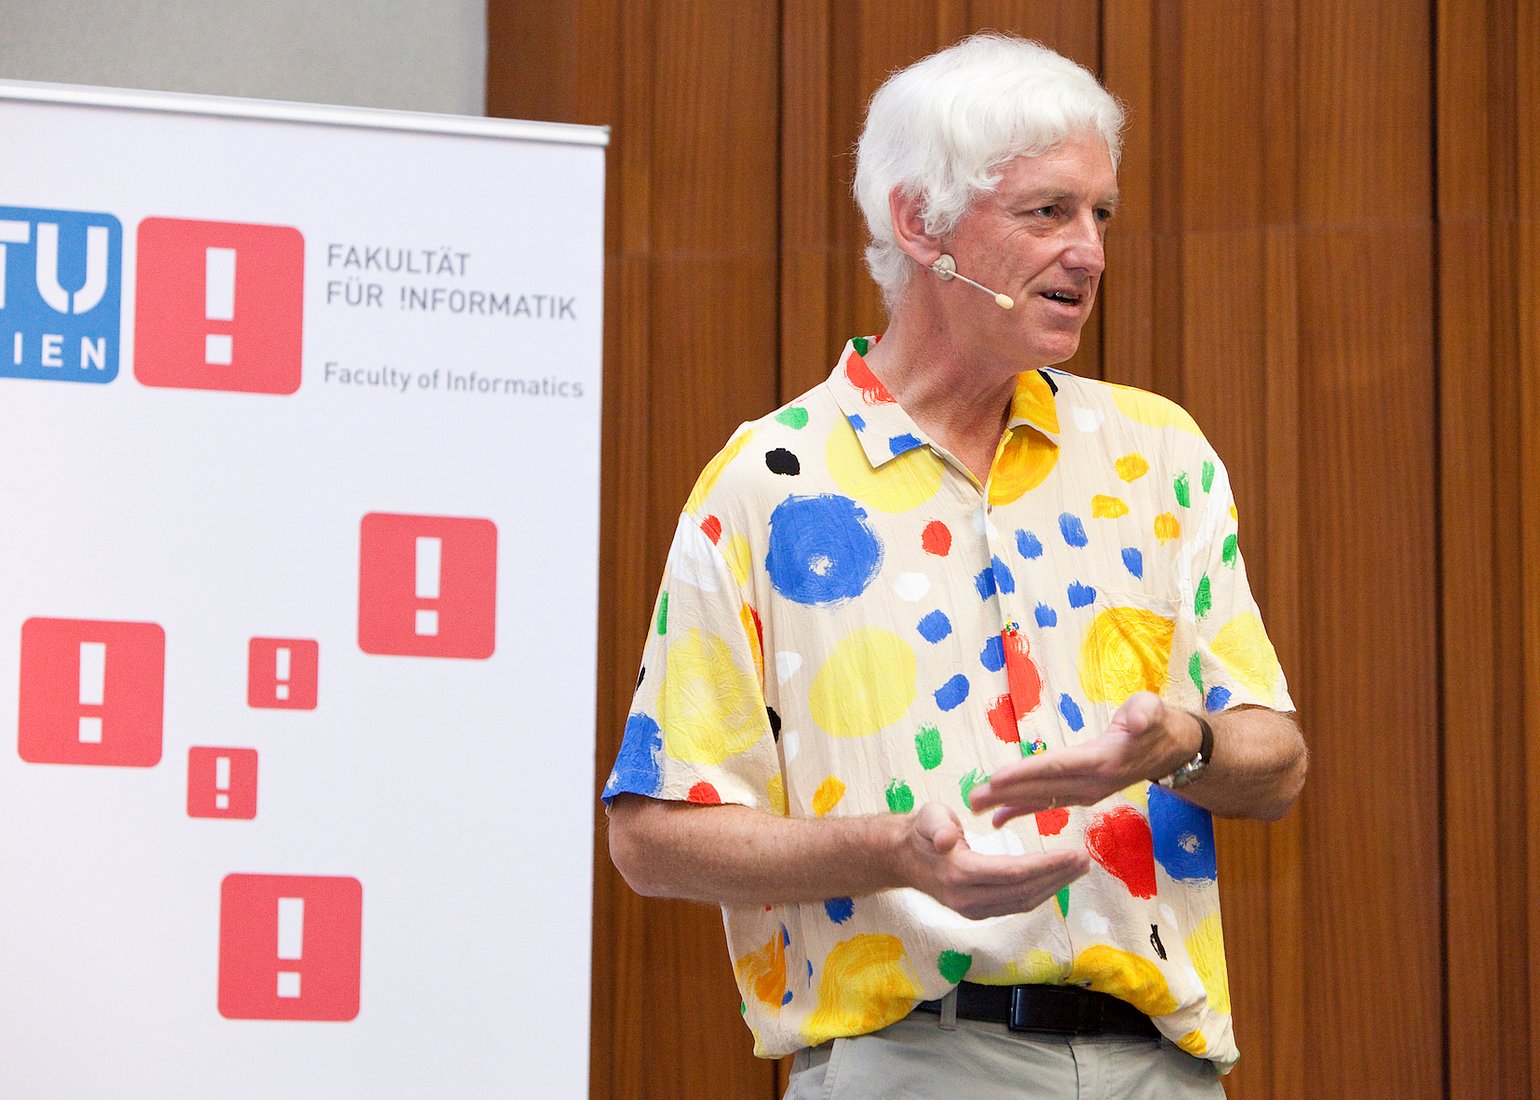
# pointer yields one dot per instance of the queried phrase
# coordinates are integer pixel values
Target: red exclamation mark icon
(221, 782)
(93, 683)
(219, 304)
(430, 557)
(291, 943)
(281, 673)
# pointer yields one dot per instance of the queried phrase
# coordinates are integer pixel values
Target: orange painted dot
(1167, 527)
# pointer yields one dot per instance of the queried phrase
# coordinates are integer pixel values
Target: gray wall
(421, 55)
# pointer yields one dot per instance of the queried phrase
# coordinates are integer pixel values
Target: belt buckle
(1052, 1009)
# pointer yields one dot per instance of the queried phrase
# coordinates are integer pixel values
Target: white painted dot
(1087, 420)
(791, 741)
(1094, 923)
(911, 586)
(786, 665)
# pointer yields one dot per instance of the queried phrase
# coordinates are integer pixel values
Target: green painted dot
(743, 1008)
(1208, 475)
(954, 965)
(860, 343)
(663, 613)
(900, 797)
(1204, 599)
(1183, 490)
(927, 746)
(1063, 899)
(1232, 551)
(1195, 670)
(969, 781)
(793, 416)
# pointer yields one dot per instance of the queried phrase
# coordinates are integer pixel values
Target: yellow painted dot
(1167, 528)
(1125, 976)
(751, 632)
(737, 554)
(900, 485)
(776, 789)
(866, 984)
(1132, 466)
(1206, 949)
(1038, 968)
(828, 795)
(866, 684)
(1152, 409)
(1024, 461)
(708, 476)
(1139, 794)
(1243, 648)
(1126, 649)
(762, 973)
(1104, 507)
(1233, 513)
(709, 708)
(1193, 1043)
(1033, 402)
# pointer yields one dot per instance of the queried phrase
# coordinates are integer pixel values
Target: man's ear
(909, 228)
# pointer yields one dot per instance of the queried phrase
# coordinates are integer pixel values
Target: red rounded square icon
(92, 692)
(281, 673)
(219, 306)
(222, 783)
(427, 586)
(290, 947)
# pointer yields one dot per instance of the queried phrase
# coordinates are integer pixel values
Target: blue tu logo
(60, 288)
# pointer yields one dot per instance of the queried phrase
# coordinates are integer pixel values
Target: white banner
(299, 463)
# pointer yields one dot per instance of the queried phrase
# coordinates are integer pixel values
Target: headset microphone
(946, 269)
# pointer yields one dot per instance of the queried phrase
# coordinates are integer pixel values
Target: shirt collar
(886, 431)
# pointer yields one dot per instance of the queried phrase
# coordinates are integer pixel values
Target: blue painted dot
(1133, 560)
(785, 936)
(1218, 698)
(985, 583)
(1072, 529)
(1183, 837)
(1046, 616)
(786, 998)
(1005, 580)
(950, 695)
(1028, 545)
(993, 656)
(935, 626)
(856, 422)
(821, 550)
(901, 443)
(839, 909)
(1071, 711)
(1080, 594)
(637, 766)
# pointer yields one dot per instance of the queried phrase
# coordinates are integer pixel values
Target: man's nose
(1084, 249)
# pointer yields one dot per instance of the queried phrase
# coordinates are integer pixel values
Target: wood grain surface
(1329, 250)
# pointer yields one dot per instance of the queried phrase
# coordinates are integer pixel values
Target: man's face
(1038, 237)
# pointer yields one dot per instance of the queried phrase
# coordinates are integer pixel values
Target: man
(932, 637)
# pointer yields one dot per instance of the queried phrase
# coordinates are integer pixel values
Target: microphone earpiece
(946, 269)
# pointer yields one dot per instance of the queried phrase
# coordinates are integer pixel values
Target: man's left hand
(1145, 740)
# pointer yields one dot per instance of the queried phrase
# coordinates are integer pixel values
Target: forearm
(739, 856)
(1258, 765)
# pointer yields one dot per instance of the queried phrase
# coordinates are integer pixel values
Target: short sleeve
(698, 730)
(1234, 663)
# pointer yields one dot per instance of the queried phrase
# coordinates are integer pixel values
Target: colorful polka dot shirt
(850, 624)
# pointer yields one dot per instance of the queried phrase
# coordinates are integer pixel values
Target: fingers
(939, 826)
(1014, 884)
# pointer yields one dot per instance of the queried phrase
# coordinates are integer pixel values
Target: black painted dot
(782, 461)
(775, 723)
(641, 674)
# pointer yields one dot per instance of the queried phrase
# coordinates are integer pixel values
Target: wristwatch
(1190, 771)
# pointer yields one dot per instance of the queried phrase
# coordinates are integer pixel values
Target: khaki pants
(916, 1059)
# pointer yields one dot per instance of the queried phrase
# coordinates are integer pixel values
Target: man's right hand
(975, 884)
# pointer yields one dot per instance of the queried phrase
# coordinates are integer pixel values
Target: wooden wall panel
(1341, 286)
(1373, 964)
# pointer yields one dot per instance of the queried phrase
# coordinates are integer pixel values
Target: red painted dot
(862, 378)
(1022, 673)
(1120, 841)
(1002, 719)
(706, 795)
(712, 527)
(1051, 822)
(936, 539)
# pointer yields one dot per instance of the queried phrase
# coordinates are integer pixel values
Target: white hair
(942, 129)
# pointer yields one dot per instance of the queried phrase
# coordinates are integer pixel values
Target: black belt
(1059, 1009)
